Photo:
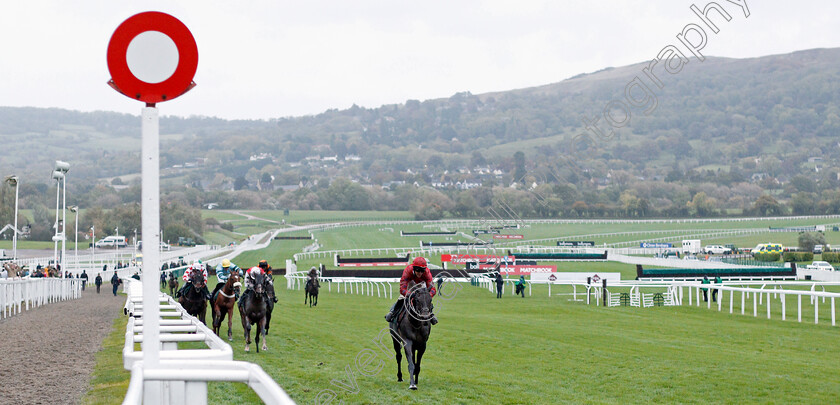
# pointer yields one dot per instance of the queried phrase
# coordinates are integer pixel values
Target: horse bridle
(411, 299)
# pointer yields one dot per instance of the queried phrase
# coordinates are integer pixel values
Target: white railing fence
(181, 376)
(370, 286)
(18, 295)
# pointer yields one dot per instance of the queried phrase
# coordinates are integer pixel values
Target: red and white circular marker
(152, 57)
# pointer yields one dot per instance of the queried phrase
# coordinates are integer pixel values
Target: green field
(534, 350)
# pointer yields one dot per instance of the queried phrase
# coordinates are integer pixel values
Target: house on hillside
(758, 176)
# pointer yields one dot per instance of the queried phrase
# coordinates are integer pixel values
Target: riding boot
(393, 311)
(433, 319)
(206, 293)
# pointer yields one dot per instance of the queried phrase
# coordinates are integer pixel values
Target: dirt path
(47, 354)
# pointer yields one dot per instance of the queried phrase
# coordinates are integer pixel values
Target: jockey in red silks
(196, 267)
(418, 272)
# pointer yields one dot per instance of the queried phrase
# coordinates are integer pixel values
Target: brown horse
(223, 304)
(173, 284)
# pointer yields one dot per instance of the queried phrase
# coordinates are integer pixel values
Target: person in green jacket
(715, 290)
(520, 286)
(705, 290)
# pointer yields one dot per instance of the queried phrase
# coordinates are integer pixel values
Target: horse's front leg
(409, 356)
(203, 314)
(397, 350)
(419, 348)
(230, 324)
(262, 331)
(246, 327)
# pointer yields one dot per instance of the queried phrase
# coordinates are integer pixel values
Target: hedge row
(831, 257)
(767, 257)
(798, 256)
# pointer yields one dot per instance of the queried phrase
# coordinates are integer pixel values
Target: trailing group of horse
(254, 309)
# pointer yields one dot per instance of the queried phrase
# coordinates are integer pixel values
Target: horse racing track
(537, 349)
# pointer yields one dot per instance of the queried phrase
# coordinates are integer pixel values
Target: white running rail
(18, 295)
(182, 375)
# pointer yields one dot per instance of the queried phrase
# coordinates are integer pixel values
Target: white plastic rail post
(150, 197)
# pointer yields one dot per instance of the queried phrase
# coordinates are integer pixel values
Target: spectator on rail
(500, 283)
(715, 290)
(520, 286)
(705, 290)
(417, 272)
(136, 276)
(84, 278)
(115, 283)
(98, 282)
(163, 279)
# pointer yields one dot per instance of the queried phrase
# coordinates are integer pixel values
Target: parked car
(716, 250)
(818, 249)
(182, 241)
(163, 245)
(111, 242)
(820, 265)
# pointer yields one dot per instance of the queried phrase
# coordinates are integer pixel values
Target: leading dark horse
(193, 299)
(224, 303)
(252, 310)
(411, 330)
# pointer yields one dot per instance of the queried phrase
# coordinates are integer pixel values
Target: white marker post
(150, 203)
(152, 57)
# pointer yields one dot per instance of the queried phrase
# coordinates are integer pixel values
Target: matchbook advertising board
(521, 269)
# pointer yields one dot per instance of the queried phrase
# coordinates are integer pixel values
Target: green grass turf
(221, 215)
(539, 349)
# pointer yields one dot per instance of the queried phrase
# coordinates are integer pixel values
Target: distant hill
(763, 121)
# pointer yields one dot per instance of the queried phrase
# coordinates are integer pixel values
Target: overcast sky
(272, 58)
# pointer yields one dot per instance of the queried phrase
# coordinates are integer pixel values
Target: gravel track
(47, 353)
